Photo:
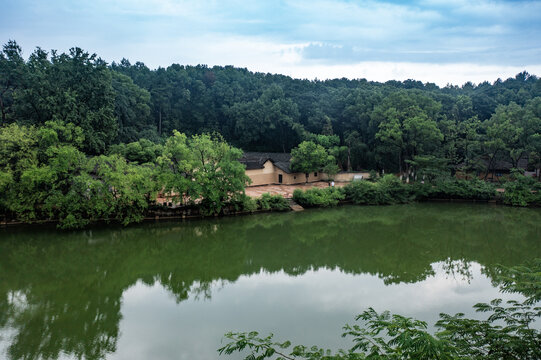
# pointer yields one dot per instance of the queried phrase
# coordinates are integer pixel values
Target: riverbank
(387, 190)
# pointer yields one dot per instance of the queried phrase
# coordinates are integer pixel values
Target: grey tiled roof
(256, 160)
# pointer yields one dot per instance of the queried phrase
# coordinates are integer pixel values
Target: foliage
(507, 332)
(203, 169)
(452, 188)
(429, 167)
(244, 203)
(407, 126)
(272, 202)
(141, 151)
(132, 110)
(308, 157)
(73, 88)
(523, 279)
(362, 124)
(317, 197)
(217, 175)
(386, 190)
(45, 175)
(522, 190)
(60, 109)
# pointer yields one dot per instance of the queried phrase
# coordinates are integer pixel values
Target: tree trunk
(490, 161)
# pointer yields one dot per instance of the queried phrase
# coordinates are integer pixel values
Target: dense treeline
(386, 126)
(81, 140)
(45, 175)
(519, 190)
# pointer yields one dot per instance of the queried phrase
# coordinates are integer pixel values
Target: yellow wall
(296, 178)
(269, 175)
(347, 177)
(263, 176)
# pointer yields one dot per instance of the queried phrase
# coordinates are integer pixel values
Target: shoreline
(188, 217)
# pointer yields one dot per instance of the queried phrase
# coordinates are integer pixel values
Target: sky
(439, 41)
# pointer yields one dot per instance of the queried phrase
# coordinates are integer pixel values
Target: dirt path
(285, 190)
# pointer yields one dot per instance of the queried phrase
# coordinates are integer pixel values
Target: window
(280, 178)
(315, 174)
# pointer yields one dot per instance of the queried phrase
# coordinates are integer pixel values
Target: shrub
(387, 190)
(393, 190)
(318, 197)
(362, 192)
(244, 203)
(272, 202)
(455, 189)
(522, 191)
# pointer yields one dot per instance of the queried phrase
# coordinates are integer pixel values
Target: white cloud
(429, 40)
(441, 74)
(262, 55)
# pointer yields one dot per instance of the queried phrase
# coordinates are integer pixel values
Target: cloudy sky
(441, 41)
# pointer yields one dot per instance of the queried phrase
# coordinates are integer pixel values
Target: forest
(72, 124)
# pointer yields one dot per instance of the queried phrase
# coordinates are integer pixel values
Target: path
(286, 190)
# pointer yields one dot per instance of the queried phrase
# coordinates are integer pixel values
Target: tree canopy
(378, 125)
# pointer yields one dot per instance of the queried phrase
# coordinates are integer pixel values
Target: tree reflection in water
(60, 293)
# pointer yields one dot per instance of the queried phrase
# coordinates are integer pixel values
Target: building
(501, 169)
(265, 168)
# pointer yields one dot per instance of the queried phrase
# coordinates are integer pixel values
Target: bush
(455, 189)
(272, 202)
(244, 203)
(362, 192)
(393, 190)
(522, 191)
(387, 190)
(318, 197)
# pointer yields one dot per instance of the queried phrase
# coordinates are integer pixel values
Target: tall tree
(12, 71)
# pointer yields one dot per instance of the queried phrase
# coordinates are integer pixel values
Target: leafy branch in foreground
(524, 279)
(505, 334)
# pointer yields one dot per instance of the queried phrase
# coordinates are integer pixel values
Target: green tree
(141, 151)
(218, 176)
(429, 167)
(12, 72)
(309, 157)
(73, 88)
(132, 110)
(271, 120)
(127, 189)
(506, 133)
(408, 134)
(175, 166)
(203, 169)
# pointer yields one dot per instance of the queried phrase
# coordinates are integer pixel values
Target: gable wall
(263, 176)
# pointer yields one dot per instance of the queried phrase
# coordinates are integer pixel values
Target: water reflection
(173, 289)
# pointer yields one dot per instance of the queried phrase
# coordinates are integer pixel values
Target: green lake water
(170, 290)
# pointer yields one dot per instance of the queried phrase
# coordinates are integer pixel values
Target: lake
(170, 290)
